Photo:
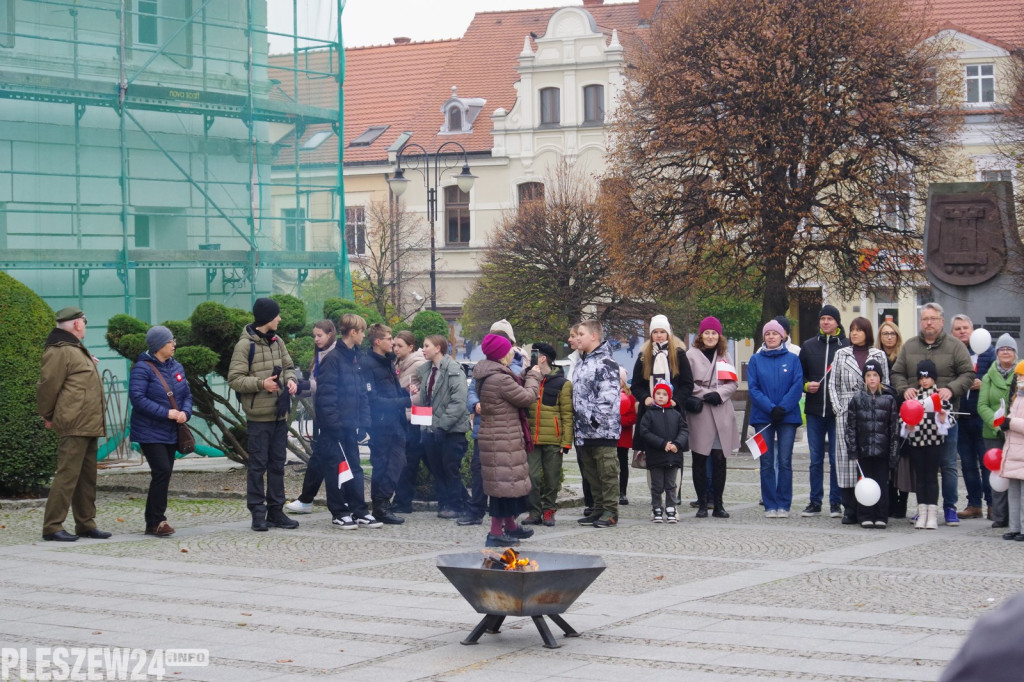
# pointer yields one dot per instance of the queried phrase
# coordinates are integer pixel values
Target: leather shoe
(95, 534)
(469, 520)
(970, 512)
(1010, 536)
(60, 536)
(161, 530)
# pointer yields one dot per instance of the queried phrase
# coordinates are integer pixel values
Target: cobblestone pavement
(745, 598)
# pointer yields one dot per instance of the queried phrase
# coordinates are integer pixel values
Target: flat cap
(69, 313)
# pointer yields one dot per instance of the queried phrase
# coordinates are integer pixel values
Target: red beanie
(664, 387)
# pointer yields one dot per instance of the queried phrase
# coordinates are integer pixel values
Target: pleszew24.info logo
(95, 663)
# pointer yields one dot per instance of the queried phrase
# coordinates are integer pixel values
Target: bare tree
(775, 143)
(386, 259)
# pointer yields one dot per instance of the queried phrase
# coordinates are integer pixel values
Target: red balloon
(993, 459)
(912, 412)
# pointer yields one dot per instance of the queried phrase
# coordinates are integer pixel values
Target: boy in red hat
(662, 433)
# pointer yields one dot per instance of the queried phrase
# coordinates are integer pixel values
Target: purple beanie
(495, 347)
(711, 323)
(773, 326)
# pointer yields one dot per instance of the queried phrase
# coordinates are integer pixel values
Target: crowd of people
(414, 405)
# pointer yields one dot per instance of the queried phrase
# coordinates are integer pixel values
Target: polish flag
(344, 473)
(422, 415)
(1000, 416)
(726, 372)
(932, 403)
(757, 445)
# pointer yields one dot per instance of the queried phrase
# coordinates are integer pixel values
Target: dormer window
(460, 113)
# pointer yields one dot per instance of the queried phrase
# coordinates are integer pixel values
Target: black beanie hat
(264, 310)
(831, 311)
(872, 366)
(545, 349)
(784, 321)
(926, 368)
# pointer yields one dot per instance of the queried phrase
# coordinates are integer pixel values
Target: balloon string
(861, 470)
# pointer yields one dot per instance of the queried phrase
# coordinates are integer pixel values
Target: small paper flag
(726, 372)
(422, 415)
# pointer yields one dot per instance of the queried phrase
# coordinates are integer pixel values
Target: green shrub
(293, 315)
(218, 328)
(427, 323)
(334, 308)
(197, 360)
(131, 345)
(182, 331)
(122, 325)
(301, 350)
(27, 449)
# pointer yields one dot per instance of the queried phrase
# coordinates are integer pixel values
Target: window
(294, 229)
(997, 176)
(456, 215)
(147, 24)
(6, 23)
(896, 212)
(143, 276)
(593, 104)
(550, 107)
(355, 231)
(316, 139)
(142, 236)
(454, 120)
(154, 22)
(368, 137)
(981, 83)
(530, 191)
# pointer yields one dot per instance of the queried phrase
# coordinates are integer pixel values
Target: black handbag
(186, 440)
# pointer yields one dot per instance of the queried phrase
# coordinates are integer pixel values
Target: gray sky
(376, 22)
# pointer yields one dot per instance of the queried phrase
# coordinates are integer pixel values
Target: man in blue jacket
(969, 441)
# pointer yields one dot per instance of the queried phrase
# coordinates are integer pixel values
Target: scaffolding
(138, 140)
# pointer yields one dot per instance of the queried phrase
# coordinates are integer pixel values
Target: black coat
(341, 400)
(388, 399)
(682, 383)
(658, 427)
(815, 358)
(873, 426)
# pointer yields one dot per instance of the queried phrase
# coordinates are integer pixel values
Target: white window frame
(293, 220)
(355, 231)
(975, 75)
(600, 105)
(557, 94)
(6, 23)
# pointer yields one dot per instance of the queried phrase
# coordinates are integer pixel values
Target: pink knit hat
(773, 326)
(495, 347)
(711, 323)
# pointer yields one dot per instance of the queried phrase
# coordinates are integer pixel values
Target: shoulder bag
(186, 441)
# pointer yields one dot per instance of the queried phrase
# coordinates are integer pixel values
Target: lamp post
(399, 183)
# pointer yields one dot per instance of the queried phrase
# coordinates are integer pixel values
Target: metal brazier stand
(549, 591)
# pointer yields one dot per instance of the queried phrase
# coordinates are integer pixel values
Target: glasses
(888, 333)
(931, 319)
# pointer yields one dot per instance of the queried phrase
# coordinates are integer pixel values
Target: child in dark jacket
(872, 439)
(664, 436)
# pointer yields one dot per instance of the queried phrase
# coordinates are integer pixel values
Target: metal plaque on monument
(973, 254)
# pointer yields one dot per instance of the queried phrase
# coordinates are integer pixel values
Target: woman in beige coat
(503, 438)
(713, 427)
(409, 358)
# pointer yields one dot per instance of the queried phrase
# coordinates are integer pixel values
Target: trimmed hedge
(28, 450)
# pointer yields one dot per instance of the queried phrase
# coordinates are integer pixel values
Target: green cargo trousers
(601, 469)
(545, 478)
(74, 485)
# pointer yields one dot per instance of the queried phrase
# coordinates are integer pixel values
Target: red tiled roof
(1000, 22)
(404, 86)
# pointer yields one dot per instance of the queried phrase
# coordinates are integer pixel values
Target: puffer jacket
(657, 428)
(259, 405)
(994, 387)
(774, 378)
(449, 398)
(550, 417)
(595, 398)
(472, 399)
(952, 361)
(1013, 447)
(342, 401)
(815, 358)
(149, 422)
(873, 426)
(388, 400)
(70, 391)
(503, 460)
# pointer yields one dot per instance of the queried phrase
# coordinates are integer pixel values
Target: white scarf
(660, 372)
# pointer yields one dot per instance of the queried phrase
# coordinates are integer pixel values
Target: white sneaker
(782, 513)
(344, 523)
(368, 521)
(298, 507)
(771, 514)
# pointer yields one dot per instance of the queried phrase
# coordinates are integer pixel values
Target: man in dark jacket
(969, 440)
(388, 401)
(342, 419)
(69, 397)
(815, 361)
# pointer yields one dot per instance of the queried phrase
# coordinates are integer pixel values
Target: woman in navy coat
(154, 423)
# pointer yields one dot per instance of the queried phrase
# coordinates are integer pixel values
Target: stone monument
(974, 258)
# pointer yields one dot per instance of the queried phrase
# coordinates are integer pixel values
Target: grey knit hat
(158, 337)
(1006, 341)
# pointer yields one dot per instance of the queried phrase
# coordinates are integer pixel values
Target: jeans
(350, 498)
(445, 452)
(948, 468)
(972, 450)
(777, 481)
(817, 429)
(161, 463)
(268, 450)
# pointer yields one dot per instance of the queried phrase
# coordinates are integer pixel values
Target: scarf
(659, 368)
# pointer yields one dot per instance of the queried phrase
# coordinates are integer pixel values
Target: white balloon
(998, 483)
(981, 340)
(867, 492)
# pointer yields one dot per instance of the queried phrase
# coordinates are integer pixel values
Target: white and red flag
(422, 415)
(757, 444)
(1000, 415)
(726, 372)
(344, 472)
(932, 403)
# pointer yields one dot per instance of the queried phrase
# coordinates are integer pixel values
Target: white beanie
(660, 322)
(503, 325)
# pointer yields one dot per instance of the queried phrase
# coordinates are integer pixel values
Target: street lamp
(399, 183)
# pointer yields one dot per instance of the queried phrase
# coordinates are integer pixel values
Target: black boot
(278, 519)
(702, 510)
(259, 518)
(719, 510)
(382, 511)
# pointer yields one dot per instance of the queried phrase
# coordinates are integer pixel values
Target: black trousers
(414, 454)
(700, 476)
(387, 457)
(588, 496)
(314, 476)
(623, 454)
(351, 497)
(268, 450)
(445, 452)
(927, 462)
(877, 469)
(477, 504)
(161, 463)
